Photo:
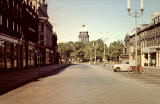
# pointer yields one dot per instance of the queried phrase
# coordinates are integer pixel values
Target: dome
(83, 29)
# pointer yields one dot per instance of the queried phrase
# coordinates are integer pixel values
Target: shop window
(8, 55)
(15, 56)
(2, 54)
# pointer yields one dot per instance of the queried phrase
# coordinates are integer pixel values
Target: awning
(8, 39)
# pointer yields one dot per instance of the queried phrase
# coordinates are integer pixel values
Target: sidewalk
(12, 80)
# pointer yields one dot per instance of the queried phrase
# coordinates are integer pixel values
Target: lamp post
(39, 55)
(89, 55)
(104, 41)
(94, 45)
(135, 14)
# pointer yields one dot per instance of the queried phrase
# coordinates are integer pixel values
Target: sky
(103, 18)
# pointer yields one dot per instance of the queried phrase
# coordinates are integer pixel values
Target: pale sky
(98, 15)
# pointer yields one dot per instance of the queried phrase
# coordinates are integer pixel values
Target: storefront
(47, 56)
(16, 54)
(149, 56)
(31, 54)
(8, 52)
(2, 52)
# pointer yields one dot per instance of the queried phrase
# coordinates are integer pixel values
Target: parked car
(124, 65)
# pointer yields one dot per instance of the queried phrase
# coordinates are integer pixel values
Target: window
(20, 29)
(13, 26)
(7, 23)
(27, 9)
(0, 19)
(42, 37)
(2, 48)
(125, 50)
(42, 27)
(13, 3)
(8, 3)
(30, 13)
(17, 27)
(1, 2)
(17, 7)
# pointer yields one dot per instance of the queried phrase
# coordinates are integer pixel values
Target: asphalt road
(84, 84)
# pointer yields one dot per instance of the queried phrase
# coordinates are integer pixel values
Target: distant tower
(83, 35)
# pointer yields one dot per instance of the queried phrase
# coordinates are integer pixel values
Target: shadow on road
(35, 78)
(54, 72)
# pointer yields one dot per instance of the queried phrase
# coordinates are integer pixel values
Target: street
(84, 84)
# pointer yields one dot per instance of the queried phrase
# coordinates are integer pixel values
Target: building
(47, 38)
(54, 57)
(148, 41)
(18, 34)
(153, 16)
(83, 35)
(126, 50)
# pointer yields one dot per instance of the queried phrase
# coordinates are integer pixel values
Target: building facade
(148, 44)
(83, 35)
(47, 38)
(18, 34)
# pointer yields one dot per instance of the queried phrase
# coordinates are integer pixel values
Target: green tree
(65, 50)
(80, 51)
(116, 48)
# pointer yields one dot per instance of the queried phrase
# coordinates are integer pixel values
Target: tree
(116, 48)
(85, 52)
(65, 50)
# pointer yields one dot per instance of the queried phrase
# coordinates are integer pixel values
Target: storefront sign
(149, 50)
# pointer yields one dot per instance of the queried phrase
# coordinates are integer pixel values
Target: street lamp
(90, 55)
(104, 40)
(94, 45)
(39, 55)
(135, 15)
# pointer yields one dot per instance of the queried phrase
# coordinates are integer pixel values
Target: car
(124, 65)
